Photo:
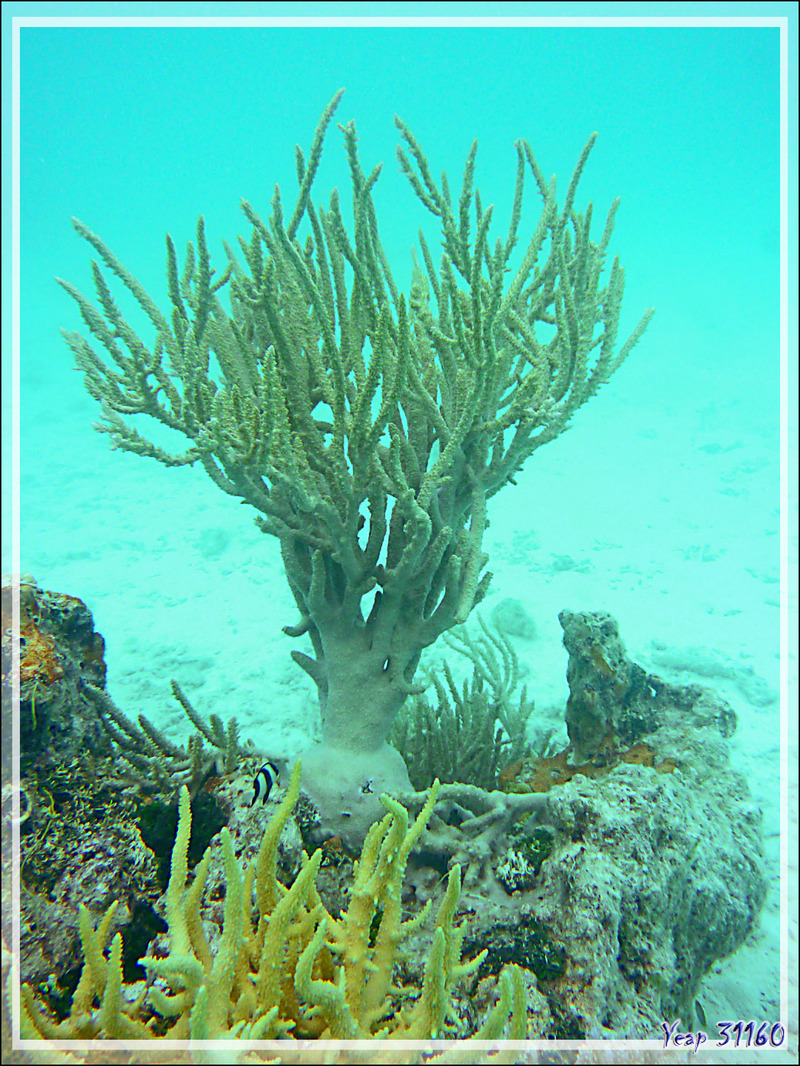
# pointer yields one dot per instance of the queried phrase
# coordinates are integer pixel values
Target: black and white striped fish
(266, 777)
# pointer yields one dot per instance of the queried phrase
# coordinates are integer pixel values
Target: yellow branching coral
(295, 972)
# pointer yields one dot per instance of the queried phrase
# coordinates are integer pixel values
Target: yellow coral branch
(313, 976)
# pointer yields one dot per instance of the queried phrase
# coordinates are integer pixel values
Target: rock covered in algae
(649, 867)
(59, 650)
(612, 696)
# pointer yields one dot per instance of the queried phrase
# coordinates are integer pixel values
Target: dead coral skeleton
(471, 827)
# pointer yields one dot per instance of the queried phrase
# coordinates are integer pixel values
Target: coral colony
(250, 897)
(368, 427)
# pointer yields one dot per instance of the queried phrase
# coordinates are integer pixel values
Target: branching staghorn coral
(368, 428)
(296, 972)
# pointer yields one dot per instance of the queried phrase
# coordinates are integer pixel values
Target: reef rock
(639, 867)
(59, 651)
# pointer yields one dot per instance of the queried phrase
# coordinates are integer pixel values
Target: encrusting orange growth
(544, 773)
(38, 656)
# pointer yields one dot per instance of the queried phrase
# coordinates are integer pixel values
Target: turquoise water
(137, 131)
(665, 494)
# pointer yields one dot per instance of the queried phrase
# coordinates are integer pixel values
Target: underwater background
(660, 505)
